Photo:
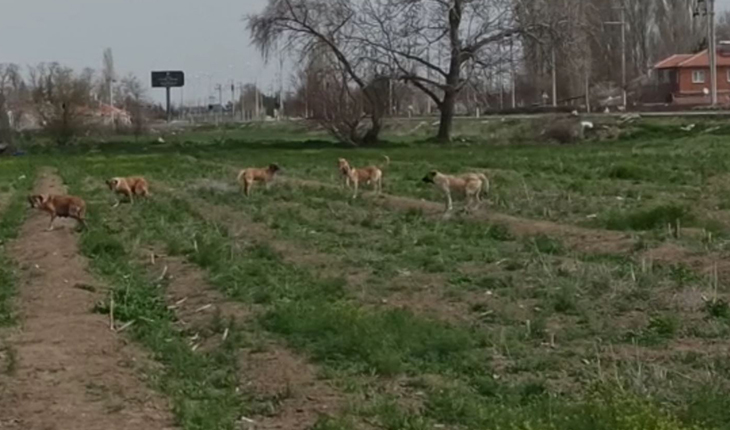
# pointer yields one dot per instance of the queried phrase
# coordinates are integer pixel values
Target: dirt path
(71, 371)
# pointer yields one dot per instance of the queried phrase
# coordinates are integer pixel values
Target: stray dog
(247, 177)
(471, 184)
(129, 187)
(60, 206)
(366, 175)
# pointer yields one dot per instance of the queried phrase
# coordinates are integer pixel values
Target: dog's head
(342, 164)
(274, 168)
(36, 200)
(112, 183)
(429, 178)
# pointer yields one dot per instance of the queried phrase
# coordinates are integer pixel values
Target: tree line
(59, 100)
(354, 54)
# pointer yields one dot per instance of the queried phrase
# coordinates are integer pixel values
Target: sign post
(167, 80)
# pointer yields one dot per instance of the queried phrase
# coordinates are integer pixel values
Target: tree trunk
(373, 135)
(446, 124)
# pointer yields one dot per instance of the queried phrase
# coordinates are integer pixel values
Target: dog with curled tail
(366, 175)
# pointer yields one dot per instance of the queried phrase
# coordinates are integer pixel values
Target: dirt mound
(71, 371)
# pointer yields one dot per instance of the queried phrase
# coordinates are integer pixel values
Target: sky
(207, 39)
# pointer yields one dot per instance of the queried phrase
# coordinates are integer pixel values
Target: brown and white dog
(249, 176)
(366, 175)
(129, 187)
(472, 185)
(60, 206)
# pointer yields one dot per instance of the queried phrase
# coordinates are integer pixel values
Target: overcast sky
(201, 37)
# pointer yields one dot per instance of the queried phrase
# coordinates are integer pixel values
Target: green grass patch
(10, 221)
(649, 219)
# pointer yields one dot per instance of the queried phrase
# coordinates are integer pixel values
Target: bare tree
(12, 90)
(60, 97)
(134, 97)
(438, 45)
(723, 26)
(329, 29)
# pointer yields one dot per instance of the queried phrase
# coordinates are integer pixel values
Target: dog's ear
(273, 167)
(32, 200)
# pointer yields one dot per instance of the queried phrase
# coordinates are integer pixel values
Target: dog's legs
(247, 188)
(116, 205)
(50, 225)
(356, 184)
(449, 202)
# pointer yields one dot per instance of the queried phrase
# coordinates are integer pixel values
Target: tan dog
(60, 206)
(471, 184)
(129, 187)
(366, 175)
(248, 177)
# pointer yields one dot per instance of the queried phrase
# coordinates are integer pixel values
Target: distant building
(685, 78)
(104, 114)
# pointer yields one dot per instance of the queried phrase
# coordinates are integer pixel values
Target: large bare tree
(326, 28)
(437, 45)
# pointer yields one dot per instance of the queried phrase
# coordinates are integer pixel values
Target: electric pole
(555, 77)
(622, 23)
(713, 50)
(233, 99)
(512, 71)
(623, 54)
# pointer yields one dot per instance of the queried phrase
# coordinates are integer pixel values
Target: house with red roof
(685, 78)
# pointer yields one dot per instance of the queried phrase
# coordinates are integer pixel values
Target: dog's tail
(387, 161)
(240, 175)
(486, 185)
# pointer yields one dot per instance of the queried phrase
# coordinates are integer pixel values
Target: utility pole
(622, 23)
(258, 103)
(281, 84)
(218, 113)
(623, 55)
(713, 50)
(555, 77)
(233, 99)
(512, 71)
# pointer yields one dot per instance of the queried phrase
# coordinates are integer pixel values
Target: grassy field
(589, 293)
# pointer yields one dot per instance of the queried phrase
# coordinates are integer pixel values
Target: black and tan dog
(366, 175)
(129, 187)
(60, 206)
(249, 176)
(472, 185)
